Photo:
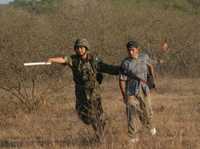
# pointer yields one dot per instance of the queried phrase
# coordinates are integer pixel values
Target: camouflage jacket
(88, 73)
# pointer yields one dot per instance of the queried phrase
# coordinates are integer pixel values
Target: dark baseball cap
(132, 44)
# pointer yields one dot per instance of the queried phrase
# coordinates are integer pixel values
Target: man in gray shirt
(135, 91)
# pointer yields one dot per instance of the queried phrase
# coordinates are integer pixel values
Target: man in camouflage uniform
(135, 91)
(87, 69)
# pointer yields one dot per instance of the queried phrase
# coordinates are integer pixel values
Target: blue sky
(5, 1)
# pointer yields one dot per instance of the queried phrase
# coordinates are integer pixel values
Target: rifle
(37, 63)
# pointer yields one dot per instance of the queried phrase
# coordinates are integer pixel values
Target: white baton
(37, 63)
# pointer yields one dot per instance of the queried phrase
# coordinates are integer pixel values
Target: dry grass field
(55, 125)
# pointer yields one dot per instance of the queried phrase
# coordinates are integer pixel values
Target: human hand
(49, 60)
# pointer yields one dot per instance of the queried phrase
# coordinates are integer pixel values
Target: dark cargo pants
(89, 109)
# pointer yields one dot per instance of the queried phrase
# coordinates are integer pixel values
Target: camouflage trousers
(90, 110)
(139, 110)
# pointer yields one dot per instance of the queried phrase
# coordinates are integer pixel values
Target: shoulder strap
(75, 61)
(98, 75)
(92, 62)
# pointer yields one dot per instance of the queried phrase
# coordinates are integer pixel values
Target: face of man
(133, 52)
(81, 51)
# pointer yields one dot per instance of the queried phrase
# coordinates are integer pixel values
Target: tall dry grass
(55, 124)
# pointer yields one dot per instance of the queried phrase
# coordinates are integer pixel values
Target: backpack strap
(93, 60)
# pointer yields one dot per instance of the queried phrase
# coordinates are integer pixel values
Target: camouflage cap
(81, 42)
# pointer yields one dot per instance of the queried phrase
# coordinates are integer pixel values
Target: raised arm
(59, 60)
(108, 68)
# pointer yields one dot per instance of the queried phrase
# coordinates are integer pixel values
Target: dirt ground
(176, 106)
